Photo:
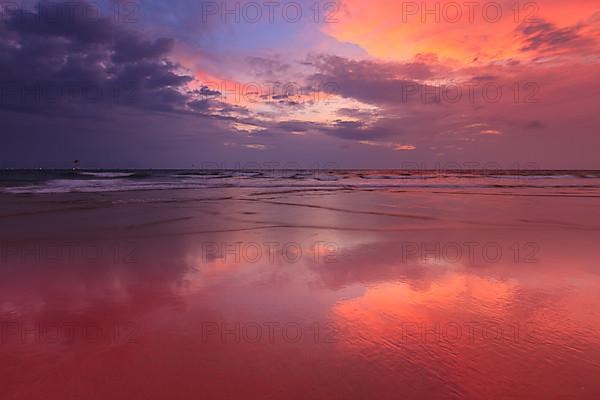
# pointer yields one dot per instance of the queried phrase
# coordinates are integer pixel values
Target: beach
(365, 286)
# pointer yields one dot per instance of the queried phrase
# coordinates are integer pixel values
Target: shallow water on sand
(290, 293)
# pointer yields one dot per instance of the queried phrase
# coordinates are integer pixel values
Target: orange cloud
(482, 32)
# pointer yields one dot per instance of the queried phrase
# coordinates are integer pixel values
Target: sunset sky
(358, 83)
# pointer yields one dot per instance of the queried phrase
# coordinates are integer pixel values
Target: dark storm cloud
(52, 66)
(366, 69)
(544, 36)
(103, 92)
(375, 82)
(262, 67)
(341, 129)
(355, 131)
(356, 113)
(297, 126)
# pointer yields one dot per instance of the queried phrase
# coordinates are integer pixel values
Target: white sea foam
(113, 181)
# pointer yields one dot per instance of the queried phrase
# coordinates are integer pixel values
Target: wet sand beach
(301, 293)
